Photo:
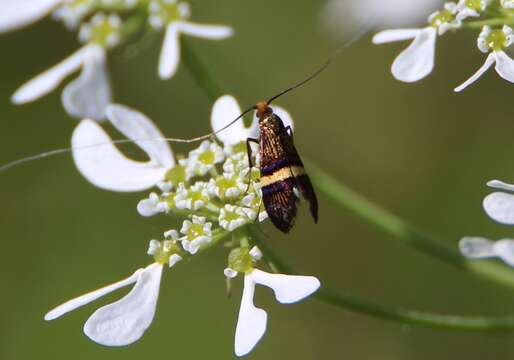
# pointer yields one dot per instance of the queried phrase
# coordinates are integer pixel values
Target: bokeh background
(419, 150)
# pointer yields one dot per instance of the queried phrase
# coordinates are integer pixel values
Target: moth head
(263, 110)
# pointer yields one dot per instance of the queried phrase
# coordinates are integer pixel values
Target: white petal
(489, 61)
(500, 207)
(125, 321)
(284, 115)
(136, 125)
(504, 66)
(89, 95)
(213, 32)
(388, 36)
(417, 61)
(497, 184)
(476, 248)
(225, 110)
(91, 296)
(50, 79)
(170, 52)
(101, 163)
(251, 323)
(505, 250)
(147, 208)
(287, 288)
(18, 13)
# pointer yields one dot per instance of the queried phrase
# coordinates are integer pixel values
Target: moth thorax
(263, 110)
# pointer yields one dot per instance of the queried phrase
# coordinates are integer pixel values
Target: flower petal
(170, 52)
(18, 13)
(251, 323)
(388, 36)
(417, 61)
(212, 32)
(497, 184)
(287, 288)
(476, 248)
(225, 110)
(101, 163)
(50, 79)
(137, 126)
(500, 207)
(89, 95)
(489, 61)
(504, 249)
(125, 321)
(89, 297)
(504, 66)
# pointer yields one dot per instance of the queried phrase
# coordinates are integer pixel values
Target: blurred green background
(420, 150)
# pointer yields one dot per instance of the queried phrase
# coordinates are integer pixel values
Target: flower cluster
(417, 61)
(215, 192)
(101, 26)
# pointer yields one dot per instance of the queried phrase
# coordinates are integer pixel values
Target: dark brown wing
(280, 202)
(302, 180)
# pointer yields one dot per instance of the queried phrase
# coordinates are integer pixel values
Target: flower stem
(478, 24)
(391, 313)
(199, 72)
(345, 198)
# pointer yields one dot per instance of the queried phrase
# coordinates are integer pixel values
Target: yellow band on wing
(282, 174)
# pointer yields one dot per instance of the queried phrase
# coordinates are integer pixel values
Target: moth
(283, 177)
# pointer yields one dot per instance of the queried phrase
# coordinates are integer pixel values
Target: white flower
(227, 186)
(500, 205)
(470, 8)
(106, 167)
(196, 233)
(251, 323)
(72, 12)
(253, 204)
(173, 16)
(231, 217)
(153, 205)
(124, 321)
(205, 157)
(87, 96)
(15, 14)
(417, 61)
(226, 109)
(344, 17)
(494, 41)
(192, 198)
(481, 248)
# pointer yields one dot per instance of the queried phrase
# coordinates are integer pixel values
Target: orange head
(263, 110)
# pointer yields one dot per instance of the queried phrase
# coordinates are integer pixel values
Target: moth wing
(303, 183)
(302, 180)
(280, 203)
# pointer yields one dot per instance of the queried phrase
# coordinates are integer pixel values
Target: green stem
(478, 24)
(391, 313)
(343, 197)
(199, 72)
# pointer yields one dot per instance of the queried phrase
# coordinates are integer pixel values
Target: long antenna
(344, 46)
(340, 49)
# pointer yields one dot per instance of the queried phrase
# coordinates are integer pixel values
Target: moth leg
(250, 161)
